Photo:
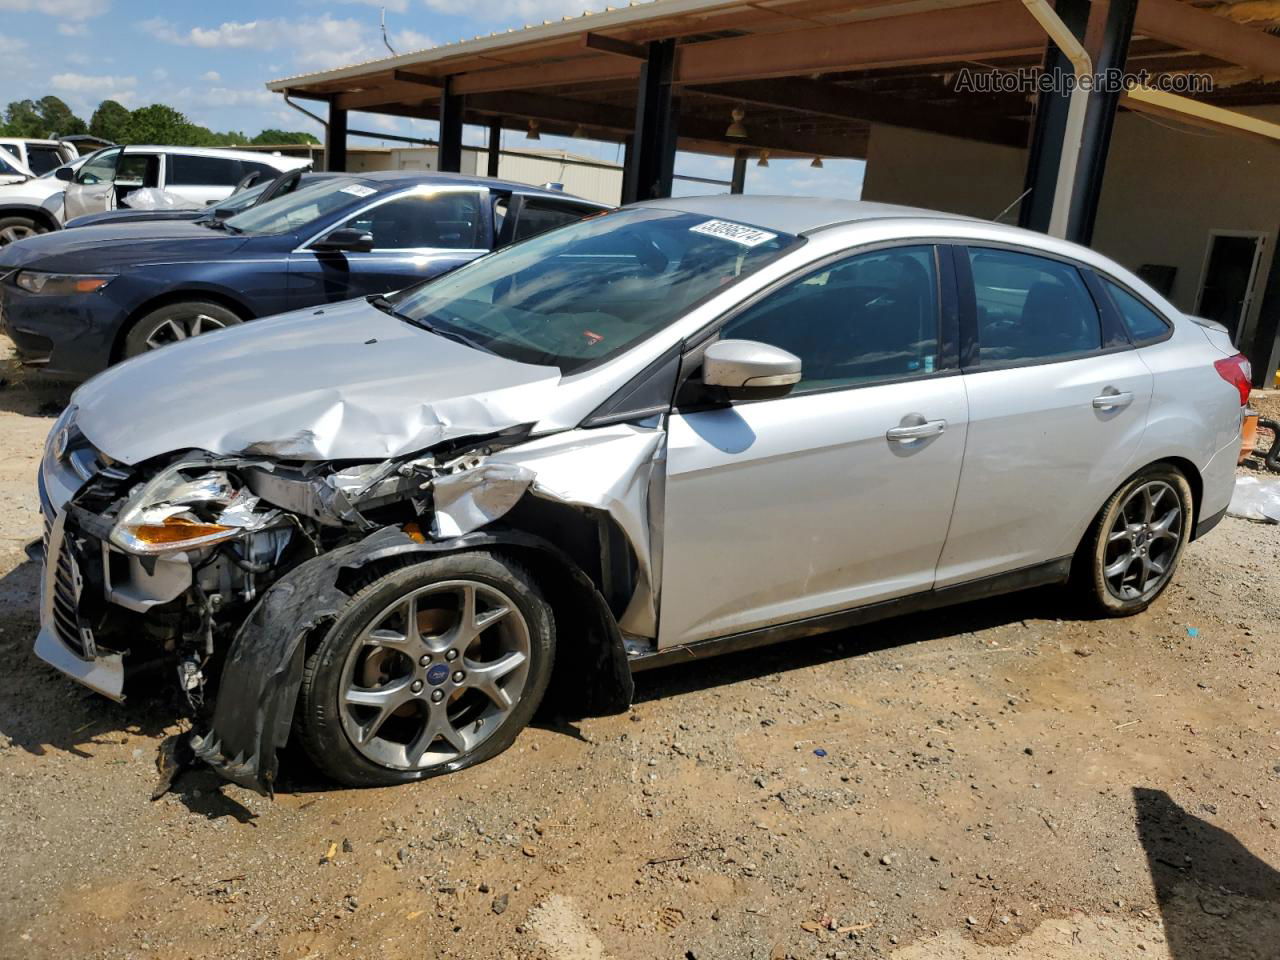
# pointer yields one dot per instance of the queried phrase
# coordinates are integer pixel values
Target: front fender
(263, 671)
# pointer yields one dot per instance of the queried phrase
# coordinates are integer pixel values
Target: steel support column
(495, 146)
(1105, 27)
(450, 129)
(739, 181)
(651, 158)
(335, 140)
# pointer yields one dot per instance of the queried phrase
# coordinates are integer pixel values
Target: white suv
(202, 176)
(28, 204)
(39, 156)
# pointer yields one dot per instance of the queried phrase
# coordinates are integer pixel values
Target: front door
(416, 236)
(93, 185)
(838, 494)
(1227, 287)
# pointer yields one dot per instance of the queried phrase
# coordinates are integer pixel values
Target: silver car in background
(682, 428)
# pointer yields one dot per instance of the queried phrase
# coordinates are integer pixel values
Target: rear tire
(431, 668)
(13, 229)
(1131, 552)
(174, 322)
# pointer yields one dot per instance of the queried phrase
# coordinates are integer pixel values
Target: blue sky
(211, 60)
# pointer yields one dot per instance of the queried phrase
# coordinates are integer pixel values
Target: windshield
(293, 211)
(9, 164)
(581, 294)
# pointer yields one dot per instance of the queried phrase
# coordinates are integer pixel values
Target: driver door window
(868, 319)
(441, 221)
(100, 168)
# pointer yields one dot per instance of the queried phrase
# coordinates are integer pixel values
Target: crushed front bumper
(63, 641)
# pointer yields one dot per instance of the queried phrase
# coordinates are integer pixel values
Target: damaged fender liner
(264, 666)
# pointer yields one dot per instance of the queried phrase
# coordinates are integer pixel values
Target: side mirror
(745, 368)
(64, 173)
(346, 240)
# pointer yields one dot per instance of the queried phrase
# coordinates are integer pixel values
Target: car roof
(418, 177)
(273, 159)
(795, 215)
(29, 140)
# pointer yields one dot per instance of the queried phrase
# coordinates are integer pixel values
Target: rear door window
(1144, 324)
(538, 216)
(1030, 309)
(188, 171)
(42, 159)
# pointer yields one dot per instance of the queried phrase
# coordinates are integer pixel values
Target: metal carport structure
(809, 78)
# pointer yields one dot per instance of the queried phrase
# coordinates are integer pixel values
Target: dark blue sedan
(76, 301)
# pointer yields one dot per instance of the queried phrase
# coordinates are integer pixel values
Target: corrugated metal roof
(609, 18)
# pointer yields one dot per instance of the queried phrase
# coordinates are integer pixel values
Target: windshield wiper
(387, 307)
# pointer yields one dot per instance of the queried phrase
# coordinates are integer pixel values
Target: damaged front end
(220, 570)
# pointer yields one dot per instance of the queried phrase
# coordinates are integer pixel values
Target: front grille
(65, 586)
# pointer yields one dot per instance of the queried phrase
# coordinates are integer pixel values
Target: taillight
(1237, 372)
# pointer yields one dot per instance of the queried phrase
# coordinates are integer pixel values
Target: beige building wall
(1167, 186)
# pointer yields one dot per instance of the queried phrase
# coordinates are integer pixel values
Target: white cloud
(73, 29)
(407, 41)
(67, 9)
(86, 83)
(212, 76)
(315, 42)
(395, 6)
(11, 45)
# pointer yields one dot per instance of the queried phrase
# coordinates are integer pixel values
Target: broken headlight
(186, 507)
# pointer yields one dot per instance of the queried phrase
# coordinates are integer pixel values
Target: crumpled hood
(344, 382)
(113, 246)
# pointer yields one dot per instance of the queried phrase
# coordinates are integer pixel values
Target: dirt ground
(1000, 781)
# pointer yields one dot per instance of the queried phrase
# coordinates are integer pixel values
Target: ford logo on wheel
(437, 675)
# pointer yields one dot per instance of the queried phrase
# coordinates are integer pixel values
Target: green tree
(22, 119)
(274, 136)
(160, 124)
(110, 121)
(57, 118)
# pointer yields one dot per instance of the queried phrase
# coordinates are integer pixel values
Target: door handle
(916, 431)
(1112, 401)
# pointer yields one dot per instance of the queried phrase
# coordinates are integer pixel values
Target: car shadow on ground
(901, 631)
(28, 394)
(1218, 900)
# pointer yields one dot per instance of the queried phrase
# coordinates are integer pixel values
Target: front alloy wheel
(431, 668)
(1137, 539)
(176, 322)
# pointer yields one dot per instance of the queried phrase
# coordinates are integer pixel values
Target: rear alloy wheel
(175, 322)
(432, 668)
(1138, 538)
(13, 229)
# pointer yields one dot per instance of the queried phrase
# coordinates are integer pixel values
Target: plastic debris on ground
(1256, 498)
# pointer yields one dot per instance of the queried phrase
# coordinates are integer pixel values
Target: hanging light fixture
(736, 128)
(533, 133)
(764, 159)
(817, 163)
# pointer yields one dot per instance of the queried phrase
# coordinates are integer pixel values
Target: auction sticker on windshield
(734, 232)
(359, 190)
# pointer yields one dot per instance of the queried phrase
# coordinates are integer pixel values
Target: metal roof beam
(1200, 31)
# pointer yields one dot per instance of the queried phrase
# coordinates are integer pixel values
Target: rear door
(200, 179)
(838, 494)
(418, 234)
(1058, 403)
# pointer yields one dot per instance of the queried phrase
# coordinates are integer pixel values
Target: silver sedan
(682, 428)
